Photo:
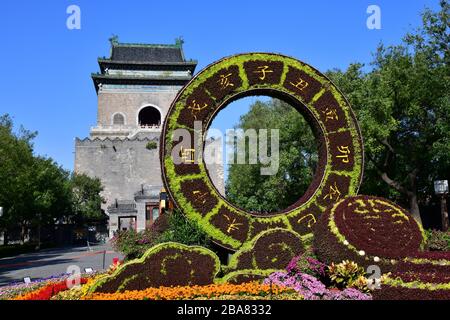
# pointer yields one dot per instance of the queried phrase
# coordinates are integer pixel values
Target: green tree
(86, 198)
(16, 157)
(403, 106)
(50, 194)
(250, 190)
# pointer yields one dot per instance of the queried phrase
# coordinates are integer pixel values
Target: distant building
(135, 87)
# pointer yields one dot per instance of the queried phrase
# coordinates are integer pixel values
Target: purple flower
(311, 288)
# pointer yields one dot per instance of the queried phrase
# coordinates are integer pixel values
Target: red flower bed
(400, 293)
(48, 291)
(432, 255)
(426, 273)
(372, 227)
(378, 226)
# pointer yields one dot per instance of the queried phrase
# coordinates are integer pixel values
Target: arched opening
(118, 119)
(149, 117)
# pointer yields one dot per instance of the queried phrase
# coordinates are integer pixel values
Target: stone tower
(135, 87)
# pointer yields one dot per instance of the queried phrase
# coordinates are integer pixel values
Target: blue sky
(46, 84)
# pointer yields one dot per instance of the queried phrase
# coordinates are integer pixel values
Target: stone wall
(122, 165)
(129, 103)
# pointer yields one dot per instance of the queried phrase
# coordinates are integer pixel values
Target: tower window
(149, 117)
(118, 119)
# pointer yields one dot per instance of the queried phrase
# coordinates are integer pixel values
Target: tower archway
(149, 117)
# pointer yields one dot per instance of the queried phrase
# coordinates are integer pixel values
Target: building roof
(139, 56)
(147, 53)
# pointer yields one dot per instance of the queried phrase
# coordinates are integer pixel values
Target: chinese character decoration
(224, 81)
(301, 84)
(344, 153)
(200, 196)
(187, 155)
(334, 193)
(263, 70)
(330, 114)
(232, 225)
(311, 219)
(196, 107)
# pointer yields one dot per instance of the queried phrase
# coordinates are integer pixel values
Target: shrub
(307, 263)
(181, 230)
(133, 244)
(438, 240)
(151, 145)
(169, 227)
(346, 274)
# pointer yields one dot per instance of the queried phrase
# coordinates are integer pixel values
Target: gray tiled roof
(122, 206)
(149, 53)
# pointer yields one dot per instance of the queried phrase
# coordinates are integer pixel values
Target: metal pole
(104, 256)
(444, 213)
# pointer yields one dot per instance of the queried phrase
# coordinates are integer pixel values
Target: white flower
(345, 243)
(376, 259)
(361, 252)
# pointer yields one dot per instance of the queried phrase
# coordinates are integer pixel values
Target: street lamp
(441, 189)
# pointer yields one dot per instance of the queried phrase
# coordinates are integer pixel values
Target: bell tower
(135, 88)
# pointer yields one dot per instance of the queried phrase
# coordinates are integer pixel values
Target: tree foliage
(86, 198)
(402, 102)
(250, 190)
(36, 191)
(403, 106)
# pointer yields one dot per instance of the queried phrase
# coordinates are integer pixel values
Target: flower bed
(47, 291)
(250, 289)
(15, 289)
(367, 230)
(312, 289)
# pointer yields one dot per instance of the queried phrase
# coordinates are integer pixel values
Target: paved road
(46, 263)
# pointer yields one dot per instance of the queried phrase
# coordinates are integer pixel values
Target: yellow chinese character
(232, 225)
(334, 193)
(330, 114)
(200, 196)
(263, 70)
(187, 155)
(345, 151)
(195, 107)
(224, 81)
(301, 84)
(311, 220)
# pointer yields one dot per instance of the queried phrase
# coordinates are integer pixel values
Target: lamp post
(441, 189)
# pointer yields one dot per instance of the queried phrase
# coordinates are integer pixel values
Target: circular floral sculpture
(340, 165)
(367, 230)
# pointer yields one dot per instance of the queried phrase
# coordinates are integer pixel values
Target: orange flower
(190, 292)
